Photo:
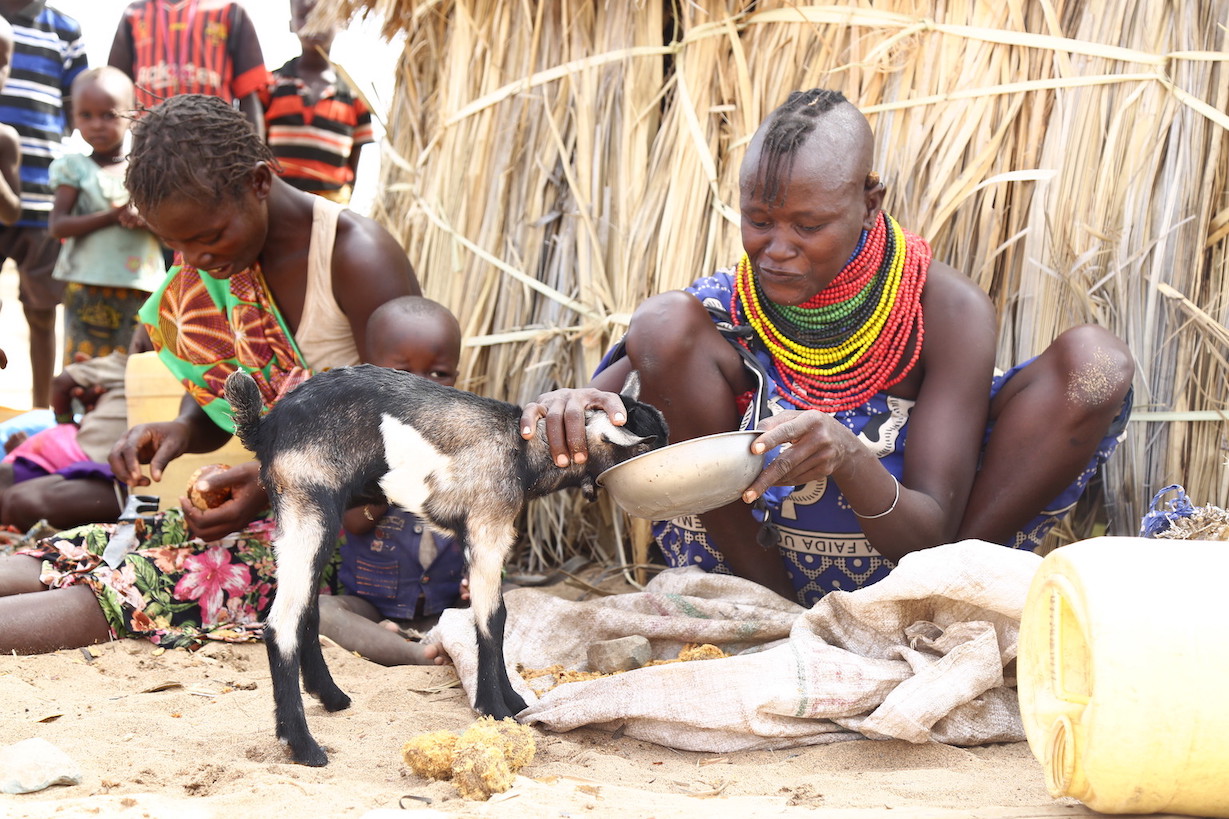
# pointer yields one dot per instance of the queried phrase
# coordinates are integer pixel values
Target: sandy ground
(174, 733)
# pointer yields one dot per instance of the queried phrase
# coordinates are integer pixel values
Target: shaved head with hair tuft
(845, 140)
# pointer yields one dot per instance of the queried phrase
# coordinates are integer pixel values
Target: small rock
(34, 764)
(622, 654)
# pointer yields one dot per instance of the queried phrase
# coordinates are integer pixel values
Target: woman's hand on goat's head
(564, 414)
(245, 504)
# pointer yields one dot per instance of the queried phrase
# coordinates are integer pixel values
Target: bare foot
(422, 653)
(369, 638)
(433, 654)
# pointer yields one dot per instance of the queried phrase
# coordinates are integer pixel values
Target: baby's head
(417, 335)
(107, 80)
(103, 102)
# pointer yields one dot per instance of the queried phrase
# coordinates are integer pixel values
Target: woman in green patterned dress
(270, 279)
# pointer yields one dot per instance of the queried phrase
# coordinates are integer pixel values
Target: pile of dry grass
(551, 164)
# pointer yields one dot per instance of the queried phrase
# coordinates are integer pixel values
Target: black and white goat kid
(368, 434)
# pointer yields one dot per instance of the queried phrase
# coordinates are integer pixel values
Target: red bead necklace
(849, 341)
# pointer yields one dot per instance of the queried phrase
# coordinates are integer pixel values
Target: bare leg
(693, 375)
(19, 575)
(1049, 420)
(354, 624)
(39, 622)
(63, 503)
(42, 352)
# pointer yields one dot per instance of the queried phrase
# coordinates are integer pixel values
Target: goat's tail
(243, 394)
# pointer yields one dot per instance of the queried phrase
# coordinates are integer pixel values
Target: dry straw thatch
(550, 164)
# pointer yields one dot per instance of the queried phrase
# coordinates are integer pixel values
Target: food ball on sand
(212, 498)
(481, 761)
(488, 755)
(480, 770)
(430, 755)
(513, 739)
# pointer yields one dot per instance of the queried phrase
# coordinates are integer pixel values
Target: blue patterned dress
(818, 535)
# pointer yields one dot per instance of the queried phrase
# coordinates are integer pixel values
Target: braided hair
(787, 129)
(195, 146)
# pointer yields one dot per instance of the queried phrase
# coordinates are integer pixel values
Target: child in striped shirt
(315, 124)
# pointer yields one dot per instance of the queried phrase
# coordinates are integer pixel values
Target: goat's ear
(588, 488)
(622, 437)
(646, 419)
(599, 428)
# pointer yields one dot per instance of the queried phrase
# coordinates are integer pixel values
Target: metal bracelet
(887, 511)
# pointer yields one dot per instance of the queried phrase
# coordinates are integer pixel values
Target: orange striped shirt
(314, 142)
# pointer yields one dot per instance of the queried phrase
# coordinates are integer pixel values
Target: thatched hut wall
(551, 164)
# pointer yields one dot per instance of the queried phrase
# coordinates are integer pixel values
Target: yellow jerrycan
(1123, 674)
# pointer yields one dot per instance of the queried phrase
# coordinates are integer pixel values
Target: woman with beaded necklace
(839, 335)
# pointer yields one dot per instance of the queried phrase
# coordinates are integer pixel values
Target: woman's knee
(24, 504)
(683, 362)
(1096, 365)
(670, 330)
(63, 503)
(20, 574)
(665, 320)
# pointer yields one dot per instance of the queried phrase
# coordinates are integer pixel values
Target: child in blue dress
(396, 573)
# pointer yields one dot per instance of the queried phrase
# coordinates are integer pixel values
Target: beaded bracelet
(887, 511)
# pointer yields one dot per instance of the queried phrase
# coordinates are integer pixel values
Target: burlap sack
(920, 656)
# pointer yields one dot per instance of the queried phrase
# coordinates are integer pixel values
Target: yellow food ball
(431, 755)
(513, 739)
(479, 769)
(481, 761)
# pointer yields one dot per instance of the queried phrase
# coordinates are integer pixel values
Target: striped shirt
(189, 47)
(48, 53)
(313, 143)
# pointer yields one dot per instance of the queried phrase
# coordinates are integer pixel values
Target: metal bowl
(686, 478)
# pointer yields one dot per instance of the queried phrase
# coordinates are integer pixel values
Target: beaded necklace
(847, 342)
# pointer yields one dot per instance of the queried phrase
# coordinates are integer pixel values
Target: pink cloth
(52, 449)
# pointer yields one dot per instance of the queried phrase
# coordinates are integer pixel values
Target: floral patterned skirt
(173, 589)
(98, 319)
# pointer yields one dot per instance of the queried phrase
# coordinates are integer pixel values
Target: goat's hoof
(335, 701)
(314, 759)
(516, 704)
(308, 753)
(330, 696)
(500, 709)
